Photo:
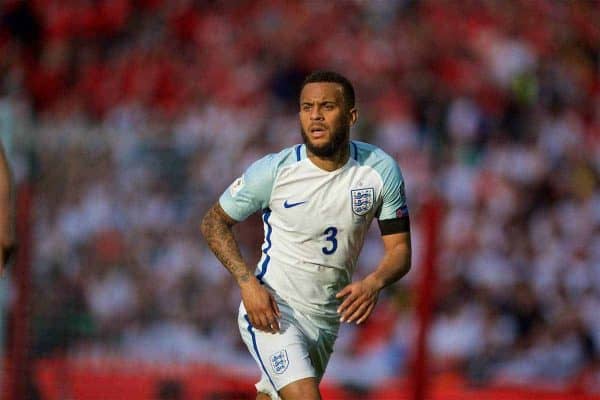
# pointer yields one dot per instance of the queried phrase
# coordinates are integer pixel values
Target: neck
(334, 162)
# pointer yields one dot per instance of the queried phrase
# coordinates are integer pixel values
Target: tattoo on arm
(216, 228)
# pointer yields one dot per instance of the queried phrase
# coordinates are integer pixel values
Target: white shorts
(299, 350)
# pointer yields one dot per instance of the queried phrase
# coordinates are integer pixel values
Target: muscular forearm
(261, 308)
(216, 228)
(393, 266)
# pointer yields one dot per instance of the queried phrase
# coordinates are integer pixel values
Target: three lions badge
(279, 361)
(362, 200)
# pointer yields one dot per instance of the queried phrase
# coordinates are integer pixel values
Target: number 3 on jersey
(331, 232)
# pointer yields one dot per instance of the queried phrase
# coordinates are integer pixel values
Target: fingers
(275, 307)
(344, 292)
(355, 309)
(273, 315)
(359, 310)
(362, 313)
(263, 311)
(357, 305)
(366, 314)
(350, 297)
(348, 301)
(269, 323)
(347, 307)
(272, 325)
(266, 320)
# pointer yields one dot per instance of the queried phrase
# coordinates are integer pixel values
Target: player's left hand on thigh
(359, 300)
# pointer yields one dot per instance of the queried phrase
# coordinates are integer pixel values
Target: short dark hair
(333, 77)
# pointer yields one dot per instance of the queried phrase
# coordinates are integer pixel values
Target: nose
(315, 114)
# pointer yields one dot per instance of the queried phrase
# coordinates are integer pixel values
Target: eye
(306, 107)
(328, 106)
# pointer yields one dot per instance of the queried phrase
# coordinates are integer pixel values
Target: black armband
(395, 225)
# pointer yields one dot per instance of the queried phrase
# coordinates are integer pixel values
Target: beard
(329, 149)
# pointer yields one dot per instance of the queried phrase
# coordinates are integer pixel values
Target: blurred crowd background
(130, 117)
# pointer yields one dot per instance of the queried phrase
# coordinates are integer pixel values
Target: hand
(261, 307)
(360, 299)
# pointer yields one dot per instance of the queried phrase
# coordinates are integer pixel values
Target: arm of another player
(360, 297)
(262, 309)
(7, 234)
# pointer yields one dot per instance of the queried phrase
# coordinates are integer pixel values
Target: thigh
(303, 389)
(320, 353)
(282, 357)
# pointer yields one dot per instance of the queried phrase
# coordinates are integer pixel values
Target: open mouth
(318, 131)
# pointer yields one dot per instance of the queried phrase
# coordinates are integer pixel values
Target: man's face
(324, 117)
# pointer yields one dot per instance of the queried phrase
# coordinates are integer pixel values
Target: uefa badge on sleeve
(402, 212)
(362, 200)
(236, 186)
(279, 361)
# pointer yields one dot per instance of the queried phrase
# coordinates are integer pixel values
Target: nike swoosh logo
(290, 205)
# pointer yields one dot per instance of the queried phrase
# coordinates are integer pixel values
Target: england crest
(362, 200)
(279, 361)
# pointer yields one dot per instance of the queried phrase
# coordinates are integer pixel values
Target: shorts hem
(272, 390)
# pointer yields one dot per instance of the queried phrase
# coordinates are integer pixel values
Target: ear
(353, 115)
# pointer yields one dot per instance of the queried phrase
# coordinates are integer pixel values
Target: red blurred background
(125, 119)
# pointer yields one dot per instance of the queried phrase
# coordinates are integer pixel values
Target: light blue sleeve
(251, 191)
(393, 192)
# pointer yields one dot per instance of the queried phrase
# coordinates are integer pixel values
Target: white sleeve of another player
(251, 191)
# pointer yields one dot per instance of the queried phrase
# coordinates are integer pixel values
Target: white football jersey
(315, 221)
